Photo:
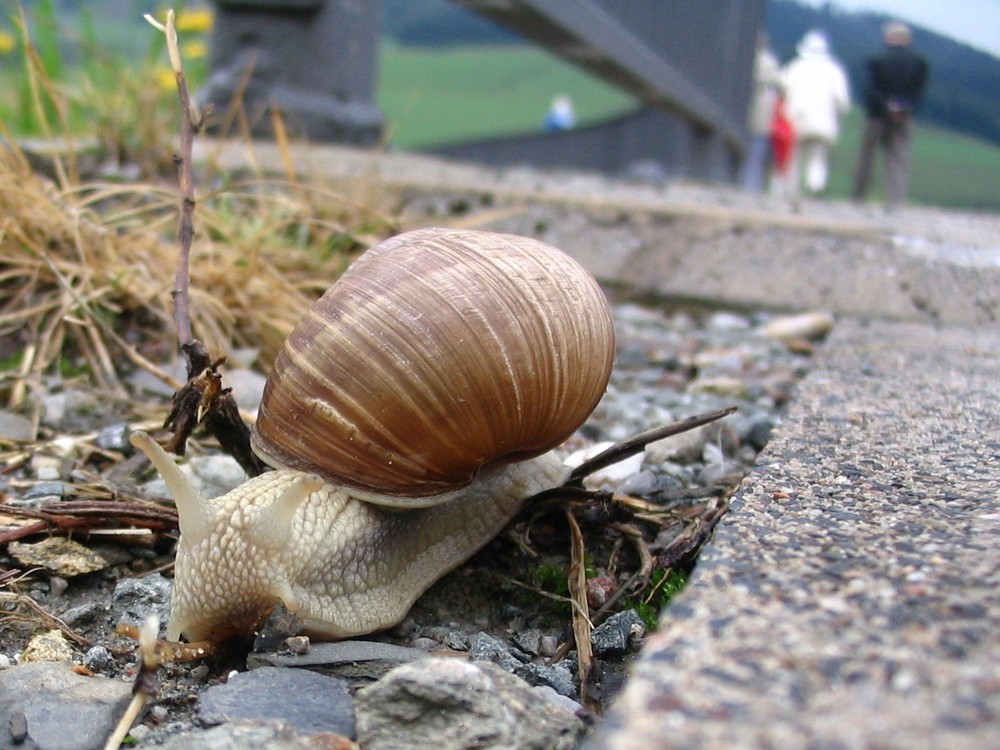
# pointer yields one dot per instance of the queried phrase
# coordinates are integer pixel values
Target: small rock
(248, 387)
(682, 448)
(115, 438)
(759, 431)
(809, 326)
(639, 484)
(618, 634)
(297, 645)
(135, 599)
(307, 701)
(46, 468)
(447, 704)
(724, 386)
(611, 475)
(58, 554)
(98, 659)
(58, 490)
(721, 472)
(548, 646)
(556, 676)
(49, 646)
(218, 474)
(359, 662)
(50, 698)
(57, 585)
(528, 640)
(256, 735)
(486, 648)
(84, 614)
(71, 411)
(15, 427)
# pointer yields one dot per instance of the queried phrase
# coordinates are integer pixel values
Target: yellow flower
(195, 20)
(7, 43)
(194, 49)
(165, 79)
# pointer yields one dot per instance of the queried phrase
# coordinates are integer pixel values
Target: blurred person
(560, 115)
(894, 87)
(816, 95)
(763, 97)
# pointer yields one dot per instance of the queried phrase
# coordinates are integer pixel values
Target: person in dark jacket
(895, 85)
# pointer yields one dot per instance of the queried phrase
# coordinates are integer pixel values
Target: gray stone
(98, 659)
(486, 648)
(218, 474)
(359, 662)
(556, 676)
(449, 704)
(57, 490)
(15, 427)
(256, 735)
(307, 701)
(114, 437)
(51, 707)
(135, 599)
(618, 634)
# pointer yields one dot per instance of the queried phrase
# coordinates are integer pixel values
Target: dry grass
(85, 266)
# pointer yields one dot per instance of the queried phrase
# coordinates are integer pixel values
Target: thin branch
(624, 449)
(191, 122)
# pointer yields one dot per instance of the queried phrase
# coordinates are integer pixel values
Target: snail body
(410, 413)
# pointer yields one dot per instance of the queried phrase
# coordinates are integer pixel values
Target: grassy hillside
(445, 95)
(434, 96)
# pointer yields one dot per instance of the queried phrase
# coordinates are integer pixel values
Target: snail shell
(437, 354)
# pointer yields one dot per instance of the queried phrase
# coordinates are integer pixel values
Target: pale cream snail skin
(410, 413)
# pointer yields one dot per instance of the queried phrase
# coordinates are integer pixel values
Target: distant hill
(964, 89)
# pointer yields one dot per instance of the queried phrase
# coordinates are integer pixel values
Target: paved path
(851, 599)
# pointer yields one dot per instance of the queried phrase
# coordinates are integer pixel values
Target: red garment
(782, 137)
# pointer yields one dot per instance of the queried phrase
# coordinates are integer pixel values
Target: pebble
(15, 427)
(446, 704)
(620, 633)
(309, 702)
(63, 556)
(135, 599)
(48, 646)
(40, 702)
(114, 437)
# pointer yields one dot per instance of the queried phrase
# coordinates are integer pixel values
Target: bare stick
(191, 122)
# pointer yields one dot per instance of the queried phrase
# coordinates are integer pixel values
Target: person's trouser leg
(755, 168)
(816, 157)
(866, 157)
(897, 163)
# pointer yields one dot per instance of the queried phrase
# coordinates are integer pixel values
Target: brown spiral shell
(437, 353)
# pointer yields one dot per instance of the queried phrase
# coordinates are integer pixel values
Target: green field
(432, 97)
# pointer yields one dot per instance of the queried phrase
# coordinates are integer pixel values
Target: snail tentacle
(193, 515)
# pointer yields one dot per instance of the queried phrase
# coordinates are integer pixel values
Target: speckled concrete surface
(851, 598)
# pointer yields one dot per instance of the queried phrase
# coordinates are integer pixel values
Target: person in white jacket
(816, 95)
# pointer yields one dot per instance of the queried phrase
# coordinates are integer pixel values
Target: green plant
(664, 584)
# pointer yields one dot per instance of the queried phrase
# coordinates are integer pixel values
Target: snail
(411, 411)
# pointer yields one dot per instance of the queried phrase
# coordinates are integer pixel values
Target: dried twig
(202, 399)
(147, 682)
(15, 600)
(577, 580)
(191, 122)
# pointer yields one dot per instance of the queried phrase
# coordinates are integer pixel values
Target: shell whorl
(437, 353)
